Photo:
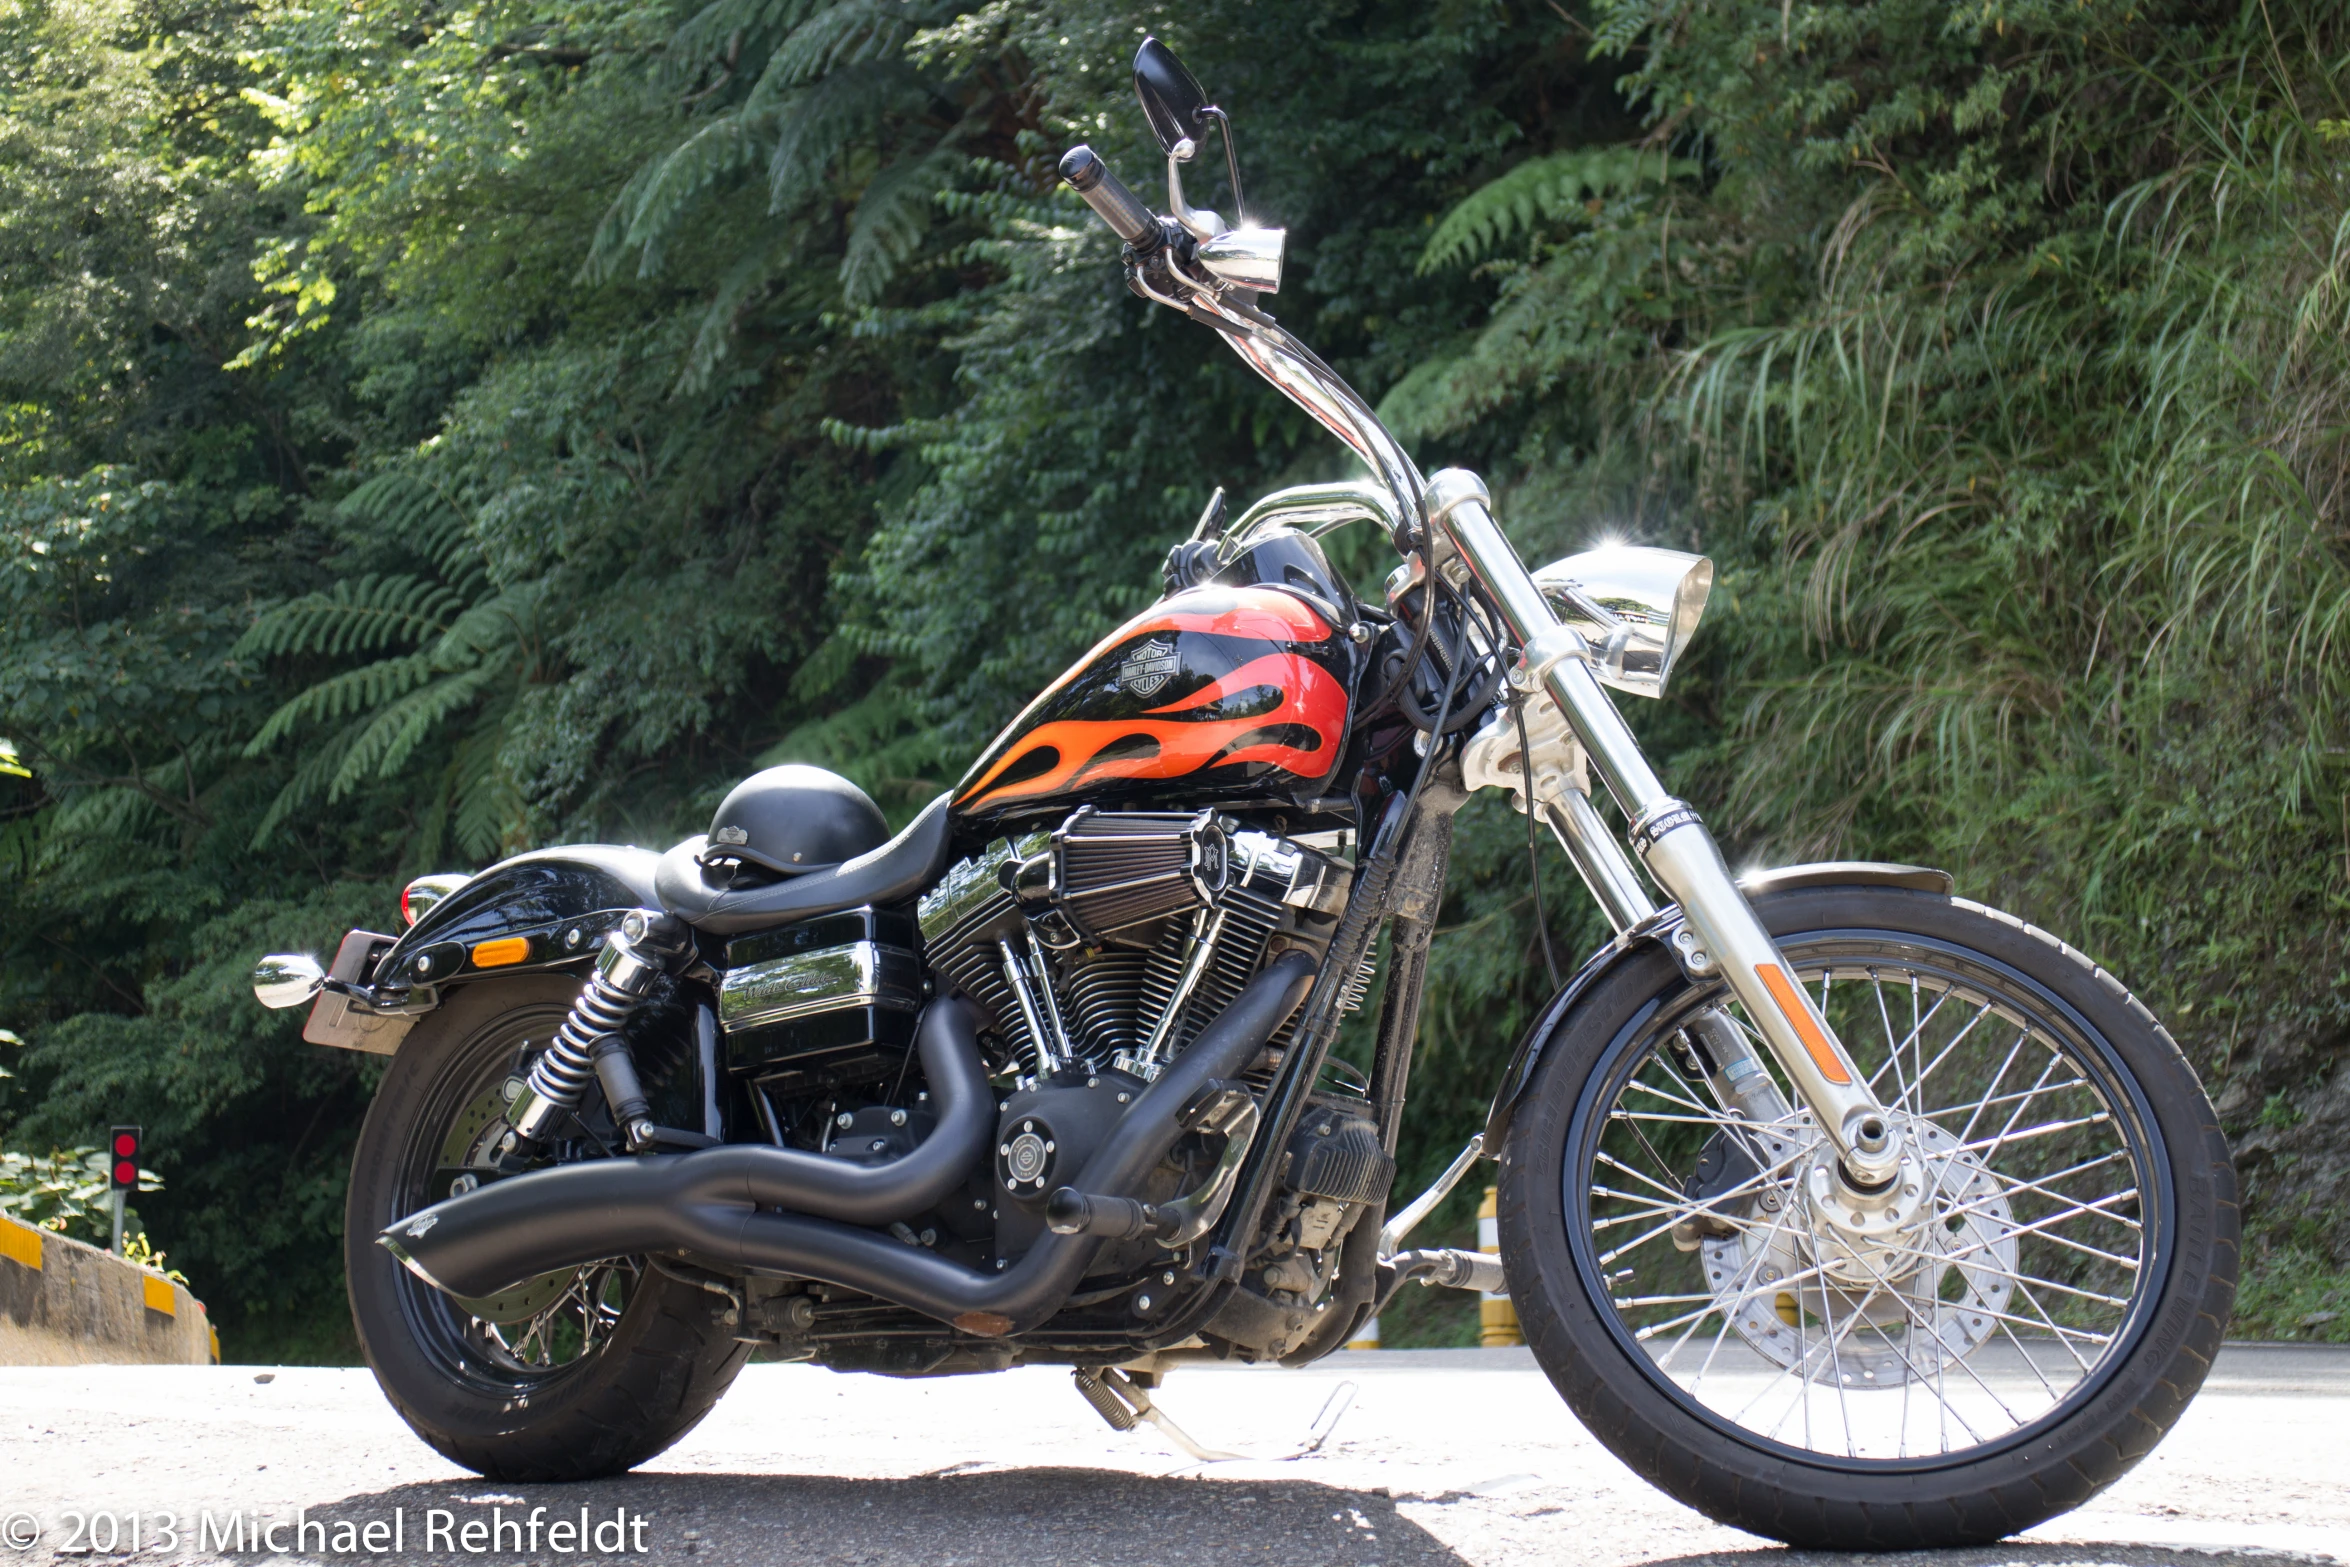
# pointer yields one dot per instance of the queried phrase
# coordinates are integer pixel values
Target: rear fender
(537, 911)
(1659, 927)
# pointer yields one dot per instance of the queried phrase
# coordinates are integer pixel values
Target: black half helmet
(794, 819)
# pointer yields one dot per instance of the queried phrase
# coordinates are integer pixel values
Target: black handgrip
(1117, 206)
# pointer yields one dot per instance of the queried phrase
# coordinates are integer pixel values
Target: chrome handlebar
(1185, 277)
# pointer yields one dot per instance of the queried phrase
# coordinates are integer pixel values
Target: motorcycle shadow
(1047, 1517)
(2011, 1553)
(1033, 1517)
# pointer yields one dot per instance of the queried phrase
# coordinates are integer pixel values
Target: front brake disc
(1915, 1285)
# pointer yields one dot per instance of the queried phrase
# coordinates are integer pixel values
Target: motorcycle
(1843, 1209)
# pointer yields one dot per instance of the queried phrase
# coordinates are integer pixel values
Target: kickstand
(1334, 1408)
(1123, 1402)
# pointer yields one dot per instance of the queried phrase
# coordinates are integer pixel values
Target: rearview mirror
(287, 979)
(1172, 97)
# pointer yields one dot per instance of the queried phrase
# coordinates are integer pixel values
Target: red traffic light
(122, 1172)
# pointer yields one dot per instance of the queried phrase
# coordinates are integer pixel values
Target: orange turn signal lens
(499, 953)
(1799, 1016)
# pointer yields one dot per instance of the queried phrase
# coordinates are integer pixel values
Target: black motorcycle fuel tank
(1237, 689)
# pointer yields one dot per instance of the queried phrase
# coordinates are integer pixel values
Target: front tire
(569, 1377)
(2042, 1310)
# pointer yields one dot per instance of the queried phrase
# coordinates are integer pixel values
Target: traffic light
(122, 1159)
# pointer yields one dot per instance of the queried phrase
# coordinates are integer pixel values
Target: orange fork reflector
(1799, 1017)
(499, 953)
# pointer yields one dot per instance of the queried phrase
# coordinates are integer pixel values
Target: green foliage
(428, 431)
(1542, 191)
(65, 1191)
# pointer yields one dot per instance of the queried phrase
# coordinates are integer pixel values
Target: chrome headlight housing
(1637, 607)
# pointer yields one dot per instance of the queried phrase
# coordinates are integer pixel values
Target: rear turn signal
(501, 952)
(1807, 1027)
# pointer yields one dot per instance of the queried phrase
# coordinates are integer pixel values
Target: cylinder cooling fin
(1117, 935)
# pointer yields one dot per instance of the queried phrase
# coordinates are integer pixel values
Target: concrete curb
(65, 1303)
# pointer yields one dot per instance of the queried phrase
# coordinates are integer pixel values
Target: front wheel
(1987, 1343)
(576, 1374)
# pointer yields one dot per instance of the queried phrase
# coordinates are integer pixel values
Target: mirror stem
(1231, 163)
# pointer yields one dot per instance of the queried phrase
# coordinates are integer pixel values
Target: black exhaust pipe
(512, 1230)
(574, 1205)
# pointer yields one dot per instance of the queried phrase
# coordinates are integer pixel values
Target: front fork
(1720, 933)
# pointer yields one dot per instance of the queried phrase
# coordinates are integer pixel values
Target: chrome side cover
(809, 984)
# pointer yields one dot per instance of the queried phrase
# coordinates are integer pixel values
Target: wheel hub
(1915, 1275)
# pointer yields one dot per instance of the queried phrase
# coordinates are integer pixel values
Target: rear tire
(623, 1360)
(1610, 1362)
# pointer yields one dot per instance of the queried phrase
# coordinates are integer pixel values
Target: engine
(1095, 951)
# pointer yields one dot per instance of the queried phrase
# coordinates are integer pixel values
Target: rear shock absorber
(648, 945)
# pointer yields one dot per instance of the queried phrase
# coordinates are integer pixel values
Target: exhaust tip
(390, 1242)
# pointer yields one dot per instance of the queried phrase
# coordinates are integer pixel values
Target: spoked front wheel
(1986, 1342)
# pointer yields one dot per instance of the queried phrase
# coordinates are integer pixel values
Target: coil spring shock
(589, 1045)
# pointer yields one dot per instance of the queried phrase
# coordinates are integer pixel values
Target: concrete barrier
(64, 1303)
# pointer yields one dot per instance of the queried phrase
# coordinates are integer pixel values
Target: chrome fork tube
(1731, 1066)
(1720, 932)
(1601, 861)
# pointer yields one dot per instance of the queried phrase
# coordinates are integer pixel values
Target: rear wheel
(1990, 1341)
(579, 1373)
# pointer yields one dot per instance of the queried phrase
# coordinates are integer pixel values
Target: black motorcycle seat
(893, 873)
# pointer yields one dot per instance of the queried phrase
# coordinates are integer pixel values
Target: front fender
(1659, 927)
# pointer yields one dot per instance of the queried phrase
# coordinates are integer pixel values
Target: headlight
(1637, 607)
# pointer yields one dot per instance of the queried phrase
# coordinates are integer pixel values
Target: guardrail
(66, 1303)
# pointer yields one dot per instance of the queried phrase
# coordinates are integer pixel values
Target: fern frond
(1539, 190)
(714, 337)
(308, 783)
(363, 616)
(890, 220)
(488, 810)
(411, 508)
(724, 29)
(729, 143)
(353, 691)
(493, 624)
(388, 739)
(852, 33)
(112, 814)
(816, 123)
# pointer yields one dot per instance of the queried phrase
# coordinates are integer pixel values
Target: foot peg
(1071, 1212)
(1121, 1401)
(1452, 1270)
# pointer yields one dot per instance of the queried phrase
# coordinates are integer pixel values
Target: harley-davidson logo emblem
(1148, 668)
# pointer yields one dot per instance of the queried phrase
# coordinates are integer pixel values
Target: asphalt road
(1443, 1457)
